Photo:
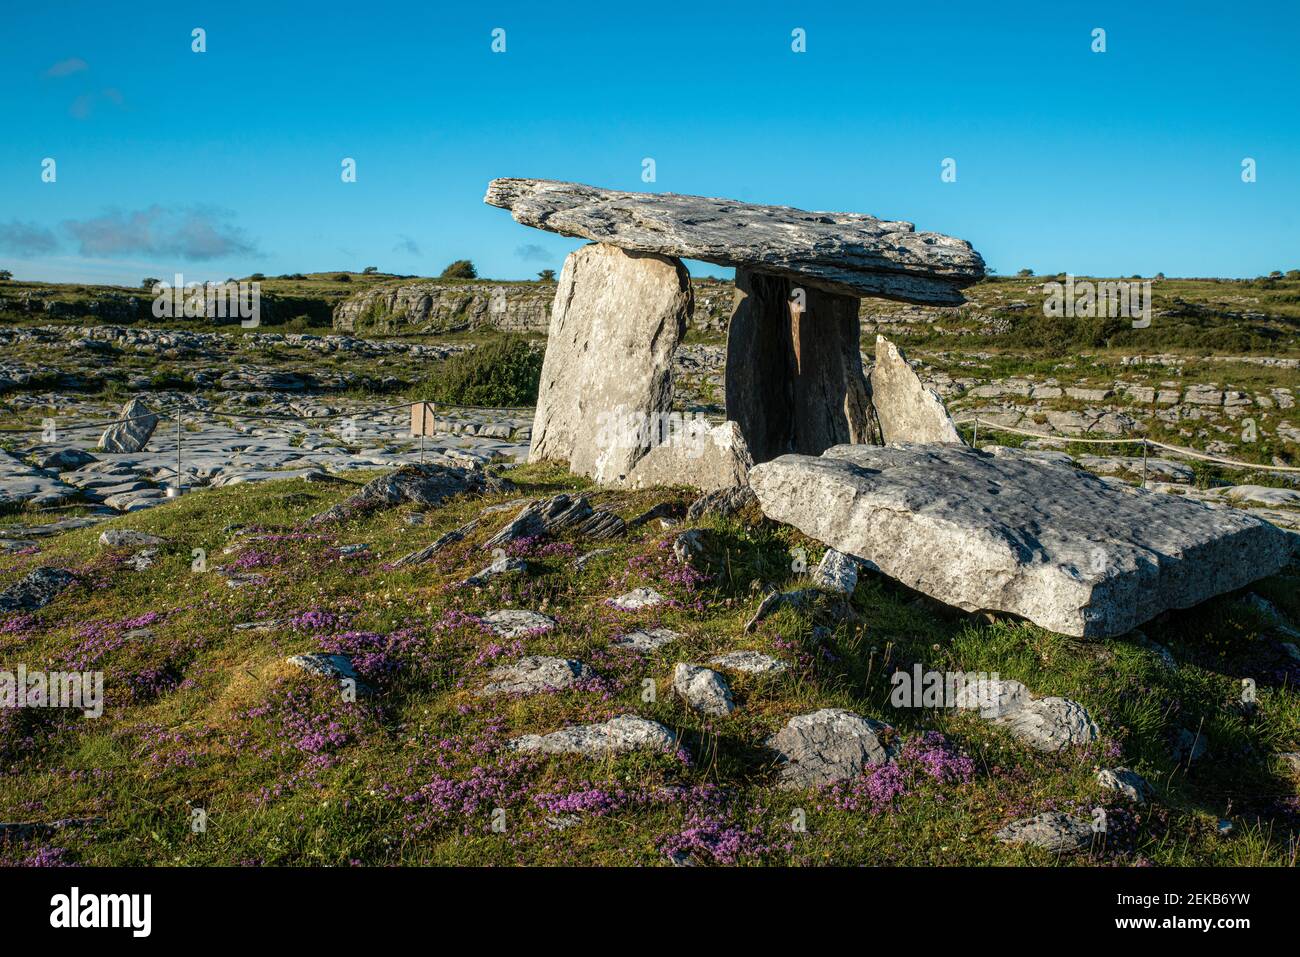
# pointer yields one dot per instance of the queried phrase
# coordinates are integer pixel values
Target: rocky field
(309, 658)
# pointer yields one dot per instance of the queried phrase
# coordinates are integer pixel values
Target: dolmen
(794, 377)
(872, 466)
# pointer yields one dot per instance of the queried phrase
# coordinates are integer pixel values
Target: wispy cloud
(68, 67)
(26, 239)
(194, 233)
(531, 252)
(407, 245)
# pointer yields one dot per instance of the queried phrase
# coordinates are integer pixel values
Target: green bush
(506, 372)
(460, 269)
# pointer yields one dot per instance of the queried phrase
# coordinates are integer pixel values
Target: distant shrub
(256, 277)
(342, 277)
(1025, 272)
(547, 275)
(505, 372)
(460, 269)
(369, 270)
(1293, 274)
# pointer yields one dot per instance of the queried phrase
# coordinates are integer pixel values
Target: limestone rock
(637, 599)
(722, 503)
(993, 698)
(502, 566)
(749, 662)
(827, 746)
(794, 379)
(708, 459)
(907, 410)
(517, 622)
(35, 590)
(330, 666)
(133, 430)
(129, 538)
(1050, 724)
(687, 546)
(624, 733)
(703, 689)
(849, 253)
(607, 377)
(1009, 533)
(836, 572)
(647, 640)
(419, 484)
(1054, 831)
(536, 673)
(1127, 782)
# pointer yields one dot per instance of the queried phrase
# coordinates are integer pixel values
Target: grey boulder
(133, 430)
(827, 746)
(536, 673)
(35, 590)
(906, 409)
(1011, 533)
(1054, 831)
(703, 689)
(624, 733)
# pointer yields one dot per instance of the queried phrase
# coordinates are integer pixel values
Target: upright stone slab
(1013, 533)
(794, 372)
(606, 383)
(906, 409)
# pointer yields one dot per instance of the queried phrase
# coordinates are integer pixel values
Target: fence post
(1144, 461)
(975, 439)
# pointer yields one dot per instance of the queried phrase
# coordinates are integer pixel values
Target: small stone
(722, 503)
(750, 662)
(1050, 724)
(1054, 831)
(836, 572)
(129, 538)
(827, 746)
(688, 545)
(517, 622)
(703, 689)
(35, 590)
(142, 559)
(534, 674)
(1127, 782)
(993, 698)
(329, 666)
(584, 560)
(624, 733)
(637, 599)
(502, 566)
(651, 639)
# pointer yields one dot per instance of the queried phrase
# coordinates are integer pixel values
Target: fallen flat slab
(1011, 533)
(849, 253)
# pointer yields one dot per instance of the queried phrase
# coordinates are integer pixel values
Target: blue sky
(228, 162)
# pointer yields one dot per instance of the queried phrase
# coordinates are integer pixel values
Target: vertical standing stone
(907, 410)
(606, 383)
(794, 376)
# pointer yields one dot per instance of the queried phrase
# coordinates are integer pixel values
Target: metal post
(975, 439)
(1144, 462)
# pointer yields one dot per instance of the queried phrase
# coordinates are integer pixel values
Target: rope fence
(1144, 442)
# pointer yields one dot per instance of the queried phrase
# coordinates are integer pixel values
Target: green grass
(415, 774)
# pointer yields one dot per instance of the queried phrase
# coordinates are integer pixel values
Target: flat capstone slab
(848, 253)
